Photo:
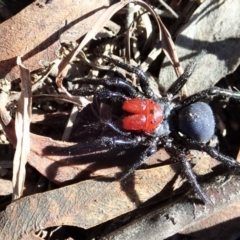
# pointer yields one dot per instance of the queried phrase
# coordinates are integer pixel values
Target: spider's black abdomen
(196, 121)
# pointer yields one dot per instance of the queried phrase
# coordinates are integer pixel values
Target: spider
(152, 121)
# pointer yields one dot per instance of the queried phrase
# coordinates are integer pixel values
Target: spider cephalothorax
(151, 120)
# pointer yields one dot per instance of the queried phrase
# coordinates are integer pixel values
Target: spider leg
(119, 83)
(211, 92)
(104, 94)
(143, 79)
(181, 81)
(101, 94)
(230, 162)
(109, 142)
(84, 91)
(175, 152)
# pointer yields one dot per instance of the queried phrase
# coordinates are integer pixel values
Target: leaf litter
(92, 202)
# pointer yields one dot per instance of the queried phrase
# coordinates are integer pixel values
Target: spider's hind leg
(214, 153)
(210, 93)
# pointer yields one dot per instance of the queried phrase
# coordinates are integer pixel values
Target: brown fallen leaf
(35, 32)
(71, 205)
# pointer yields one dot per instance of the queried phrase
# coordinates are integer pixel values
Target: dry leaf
(35, 33)
(71, 205)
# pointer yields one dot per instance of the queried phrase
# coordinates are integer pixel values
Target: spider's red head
(146, 115)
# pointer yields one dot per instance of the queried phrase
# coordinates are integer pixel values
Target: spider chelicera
(152, 121)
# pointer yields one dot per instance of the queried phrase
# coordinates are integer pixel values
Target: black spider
(152, 120)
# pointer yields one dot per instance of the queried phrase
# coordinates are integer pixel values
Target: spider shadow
(101, 162)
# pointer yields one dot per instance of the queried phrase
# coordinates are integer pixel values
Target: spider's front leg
(143, 79)
(181, 81)
(179, 154)
(121, 85)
